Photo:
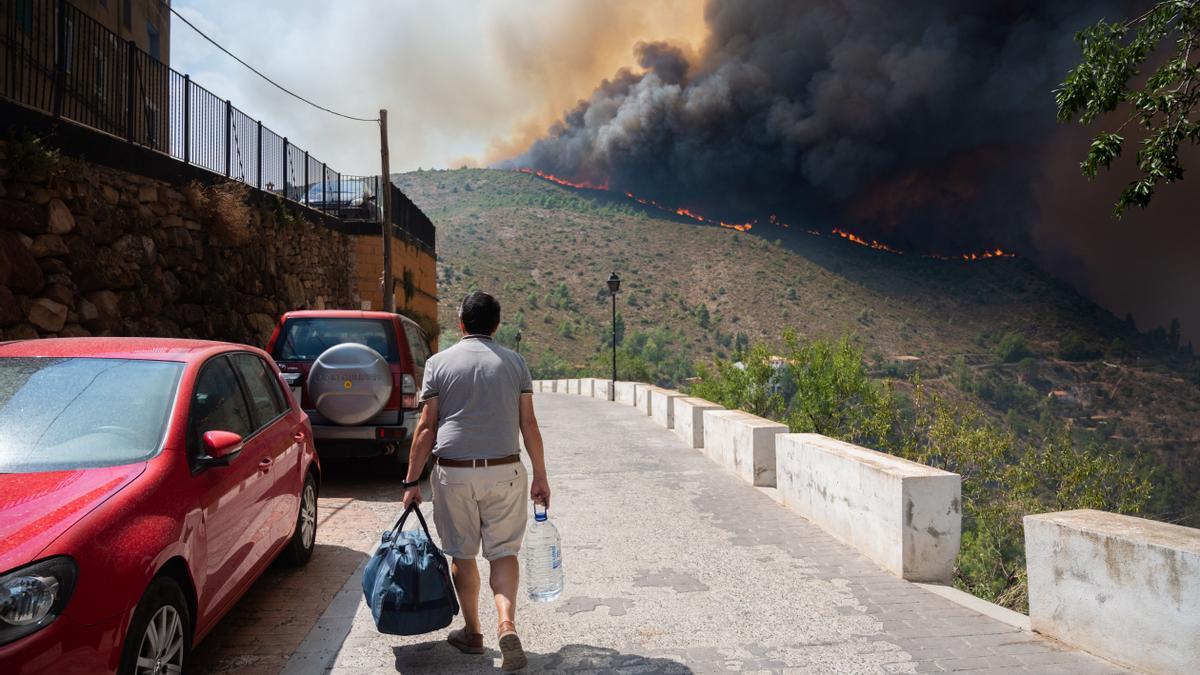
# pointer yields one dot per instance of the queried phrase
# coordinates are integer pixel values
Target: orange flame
(772, 219)
(563, 181)
(983, 255)
(878, 246)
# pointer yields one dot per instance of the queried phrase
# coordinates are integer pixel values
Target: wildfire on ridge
(983, 255)
(878, 246)
(772, 219)
(563, 181)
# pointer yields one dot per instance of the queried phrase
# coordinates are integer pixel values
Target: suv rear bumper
(369, 440)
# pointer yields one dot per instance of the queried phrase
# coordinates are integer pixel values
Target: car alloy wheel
(308, 515)
(300, 547)
(161, 649)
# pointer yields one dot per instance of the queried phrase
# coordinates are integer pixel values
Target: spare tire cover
(349, 383)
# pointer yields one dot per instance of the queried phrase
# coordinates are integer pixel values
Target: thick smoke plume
(917, 122)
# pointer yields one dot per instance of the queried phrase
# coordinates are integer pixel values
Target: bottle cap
(539, 517)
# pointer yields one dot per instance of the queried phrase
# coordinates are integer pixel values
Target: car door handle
(299, 437)
(265, 465)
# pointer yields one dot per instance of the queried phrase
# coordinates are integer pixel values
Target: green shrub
(744, 385)
(1013, 348)
(1073, 347)
(835, 395)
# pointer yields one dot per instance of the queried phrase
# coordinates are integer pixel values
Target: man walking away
(475, 398)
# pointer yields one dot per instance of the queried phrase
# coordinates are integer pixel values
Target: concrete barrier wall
(662, 407)
(1124, 588)
(586, 386)
(573, 386)
(689, 419)
(742, 443)
(641, 397)
(627, 393)
(603, 390)
(905, 516)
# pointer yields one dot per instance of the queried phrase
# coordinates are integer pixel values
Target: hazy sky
(464, 80)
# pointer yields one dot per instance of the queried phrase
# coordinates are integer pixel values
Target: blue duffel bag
(407, 582)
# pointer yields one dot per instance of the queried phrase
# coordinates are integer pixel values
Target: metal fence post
(325, 186)
(258, 162)
(228, 136)
(187, 119)
(60, 58)
(285, 176)
(130, 88)
(306, 178)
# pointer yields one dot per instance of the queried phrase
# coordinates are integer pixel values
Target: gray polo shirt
(478, 385)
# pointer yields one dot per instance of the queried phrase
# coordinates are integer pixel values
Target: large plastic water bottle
(543, 559)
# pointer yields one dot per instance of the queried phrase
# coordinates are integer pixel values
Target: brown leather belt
(476, 463)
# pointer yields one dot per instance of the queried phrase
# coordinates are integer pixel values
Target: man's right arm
(539, 489)
(422, 446)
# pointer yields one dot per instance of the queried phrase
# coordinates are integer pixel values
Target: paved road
(675, 566)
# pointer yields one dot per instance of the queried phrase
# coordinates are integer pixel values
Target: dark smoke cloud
(918, 122)
(927, 124)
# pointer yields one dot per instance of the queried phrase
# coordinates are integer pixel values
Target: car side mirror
(220, 447)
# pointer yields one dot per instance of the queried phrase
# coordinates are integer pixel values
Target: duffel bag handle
(413, 508)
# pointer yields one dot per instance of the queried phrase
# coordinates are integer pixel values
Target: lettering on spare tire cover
(323, 376)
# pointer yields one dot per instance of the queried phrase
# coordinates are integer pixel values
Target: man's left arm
(422, 446)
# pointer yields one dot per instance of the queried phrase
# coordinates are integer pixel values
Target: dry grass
(223, 206)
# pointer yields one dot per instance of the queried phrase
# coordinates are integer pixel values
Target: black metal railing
(56, 58)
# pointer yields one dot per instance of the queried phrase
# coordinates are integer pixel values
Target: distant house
(92, 47)
(146, 22)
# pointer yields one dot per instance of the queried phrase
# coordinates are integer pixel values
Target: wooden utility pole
(385, 187)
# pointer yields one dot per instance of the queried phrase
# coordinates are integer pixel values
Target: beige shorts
(487, 505)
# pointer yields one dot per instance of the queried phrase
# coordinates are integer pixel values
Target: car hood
(36, 508)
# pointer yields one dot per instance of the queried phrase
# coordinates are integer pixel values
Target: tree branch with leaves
(1166, 105)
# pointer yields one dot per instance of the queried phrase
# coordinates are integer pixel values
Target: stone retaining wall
(90, 250)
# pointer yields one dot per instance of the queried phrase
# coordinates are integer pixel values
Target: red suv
(356, 374)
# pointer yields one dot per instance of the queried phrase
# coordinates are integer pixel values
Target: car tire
(304, 537)
(162, 611)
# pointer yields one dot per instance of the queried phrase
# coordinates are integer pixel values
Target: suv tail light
(408, 391)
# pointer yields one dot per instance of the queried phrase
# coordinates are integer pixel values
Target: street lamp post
(614, 285)
(518, 342)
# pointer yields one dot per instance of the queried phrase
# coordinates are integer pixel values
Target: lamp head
(614, 283)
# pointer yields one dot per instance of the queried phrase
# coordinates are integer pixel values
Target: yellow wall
(368, 275)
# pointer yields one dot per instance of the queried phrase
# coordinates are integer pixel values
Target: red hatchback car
(144, 485)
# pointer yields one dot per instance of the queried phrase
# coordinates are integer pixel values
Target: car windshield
(348, 191)
(306, 339)
(70, 413)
